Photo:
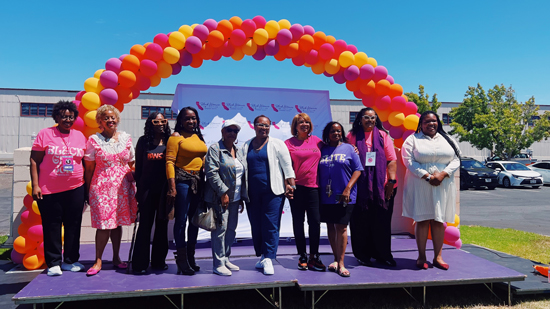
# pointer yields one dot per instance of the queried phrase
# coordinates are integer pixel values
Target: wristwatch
(293, 187)
(428, 178)
(394, 181)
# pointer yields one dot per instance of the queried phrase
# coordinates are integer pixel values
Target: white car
(544, 169)
(514, 174)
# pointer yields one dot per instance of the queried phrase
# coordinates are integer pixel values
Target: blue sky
(444, 45)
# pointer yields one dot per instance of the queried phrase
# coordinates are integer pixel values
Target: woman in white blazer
(270, 178)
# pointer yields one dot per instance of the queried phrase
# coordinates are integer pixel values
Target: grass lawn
(4, 252)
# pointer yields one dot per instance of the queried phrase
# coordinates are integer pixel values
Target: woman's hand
(170, 196)
(36, 193)
(388, 190)
(225, 200)
(241, 206)
(289, 192)
(344, 198)
(437, 178)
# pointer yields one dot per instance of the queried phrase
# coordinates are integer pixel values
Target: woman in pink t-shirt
(371, 220)
(57, 178)
(305, 152)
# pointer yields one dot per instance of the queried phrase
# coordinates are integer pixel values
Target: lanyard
(68, 138)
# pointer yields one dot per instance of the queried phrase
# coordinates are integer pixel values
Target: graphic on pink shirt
(305, 159)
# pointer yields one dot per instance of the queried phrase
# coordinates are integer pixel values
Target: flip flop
(333, 266)
(122, 265)
(343, 272)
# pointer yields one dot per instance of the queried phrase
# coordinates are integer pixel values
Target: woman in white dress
(429, 193)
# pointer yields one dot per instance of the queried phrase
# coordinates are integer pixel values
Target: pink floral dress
(112, 195)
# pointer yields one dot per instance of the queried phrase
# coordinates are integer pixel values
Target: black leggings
(57, 209)
(306, 200)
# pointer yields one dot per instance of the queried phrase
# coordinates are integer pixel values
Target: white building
(24, 112)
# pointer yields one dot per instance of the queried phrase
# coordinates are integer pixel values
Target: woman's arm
(140, 154)
(347, 191)
(36, 160)
(212, 170)
(89, 168)
(171, 155)
(285, 162)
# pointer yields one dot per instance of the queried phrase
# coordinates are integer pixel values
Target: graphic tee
(305, 159)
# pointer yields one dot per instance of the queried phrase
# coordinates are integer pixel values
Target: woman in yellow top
(185, 153)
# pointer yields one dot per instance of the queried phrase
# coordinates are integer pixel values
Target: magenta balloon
(380, 72)
(113, 64)
(386, 125)
(210, 24)
(390, 79)
(339, 47)
(368, 101)
(260, 54)
(217, 55)
(248, 26)
(398, 104)
(339, 77)
(108, 79)
(410, 108)
(284, 37)
(383, 102)
(16, 257)
(122, 57)
(407, 134)
(457, 244)
(78, 124)
(79, 95)
(366, 72)
(237, 38)
(108, 96)
(452, 234)
(272, 47)
(227, 49)
(148, 67)
(297, 31)
(201, 32)
(312, 57)
(326, 51)
(309, 30)
(352, 48)
(162, 40)
(418, 115)
(35, 233)
(193, 44)
(299, 60)
(185, 58)
(154, 52)
(327, 74)
(351, 72)
(176, 68)
(396, 132)
(358, 94)
(259, 21)
(445, 224)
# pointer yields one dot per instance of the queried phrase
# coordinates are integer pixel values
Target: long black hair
(149, 131)
(179, 121)
(358, 126)
(326, 132)
(439, 130)
(62, 106)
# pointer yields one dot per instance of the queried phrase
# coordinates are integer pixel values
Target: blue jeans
(184, 208)
(264, 212)
(222, 238)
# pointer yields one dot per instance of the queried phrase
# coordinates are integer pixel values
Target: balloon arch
(146, 65)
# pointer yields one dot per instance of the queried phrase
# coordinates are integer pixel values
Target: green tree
(422, 100)
(495, 120)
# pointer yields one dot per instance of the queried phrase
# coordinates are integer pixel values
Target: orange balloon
(367, 87)
(138, 51)
(126, 78)
(91, 131)
(319, 67)
(398, 143)
(353, 85)
(206, 53)
(124, 94)
(306, 42)
(383, 114)
(238, 54)
(196, 63)
(281, 54)
(20, 244)
(319, 38)
(405, 97)
(382, 87)
(225, 27)
(33, 260)
(215, 39)
(155, 80)
(236, 21)
(119, 106)
(131, 63)
(164, 69)
(331, 39)
(396, 90)
(293, 50)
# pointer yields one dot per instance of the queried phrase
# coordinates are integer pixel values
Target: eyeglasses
(65, 117)
(159, 122)
(262, 125)
(367, 117)
(229, 130)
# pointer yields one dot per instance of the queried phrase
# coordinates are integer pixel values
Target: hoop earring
(223, 139)
(236, 141)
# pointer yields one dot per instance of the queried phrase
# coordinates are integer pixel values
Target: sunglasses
(367, 117)
(229, 130)
(159, 122)
(262, 125)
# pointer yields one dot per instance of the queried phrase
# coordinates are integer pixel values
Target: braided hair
(439, 130)
(358, 126)
(149, 131)
(179, 121)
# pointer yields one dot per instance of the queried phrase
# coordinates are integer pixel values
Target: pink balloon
(312, 57)
(383, 102)
(369, 101)
(193, 44)
(217, 55)
(210, 24)
(237, 38)
(390, 79)
(40, 249)
(259, 21)
(339, 77)
(16, 257)
(154, 52)
(386, 125)
(398, 104)
(25, 217)
(396, 132)
(327, 74)
(271, 48)
(410, 108)
(176, 68)
(201, 32)
(452, 234)
(284, 37)
(35, 233)
(260, 54)
(227, 49)
(79, 95)
(148, 67)
(351, 72)
(309, 30)
(113, 64)
(340, 46)
(352, 49)
(108, 96)
(248, 26)
(185, 58)
(162, 40)
(122, 57)
(458, 244)
(297, 32)
(358, 94)
(407, 134)
(418, 115)
(108, 79)
(326, 51)
(78, 124)
(366, 72)
(299, 60)
(445, 224)
(380, 72)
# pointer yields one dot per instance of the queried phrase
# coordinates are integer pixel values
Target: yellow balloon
(346, 59)
(63, 233)
(284, 24)
(171, 55)
(260, 37)
(318, 68)
(396, 118)
(91, 101)
(411, 122)
(250, 48)
(97, 73)
(176, 40)
(272, 28)
(35, 208)
(456, 223)
(186, 30)
(360, 59)
(372, 62)
(29, 188)
(332, 66)
(92, 84)
(193, 26)
(238, 54)
(89, 119)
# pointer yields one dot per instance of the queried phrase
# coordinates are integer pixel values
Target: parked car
(544, 169)
(473, 174)
(514, 174)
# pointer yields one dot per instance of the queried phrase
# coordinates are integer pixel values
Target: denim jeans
(184, 208)
(264, 212)
(222, 238)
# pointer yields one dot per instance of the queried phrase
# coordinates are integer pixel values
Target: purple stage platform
(110, 283)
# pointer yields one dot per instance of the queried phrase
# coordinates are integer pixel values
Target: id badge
(68, 165)
(370, 159)
(328, 189)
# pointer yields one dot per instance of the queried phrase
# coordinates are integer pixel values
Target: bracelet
(428, 178)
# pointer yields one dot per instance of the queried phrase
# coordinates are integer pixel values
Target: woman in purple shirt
(339, 169)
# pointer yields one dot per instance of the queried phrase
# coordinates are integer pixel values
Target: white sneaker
(230, 265)
(74, 267)
(222, 271)
(55, 271)
(259, 264)
(268, 266)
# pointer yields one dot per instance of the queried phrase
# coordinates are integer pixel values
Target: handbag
(205, 217)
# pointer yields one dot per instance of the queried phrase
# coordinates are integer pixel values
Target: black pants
(57, 209)
(148, 213)
(306, 200)
(371, 231)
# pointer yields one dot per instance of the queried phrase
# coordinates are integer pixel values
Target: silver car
(514, 174)
(544, 169)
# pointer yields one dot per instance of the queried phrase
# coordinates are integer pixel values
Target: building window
(446, 119)
(352, 116)
(36, 109)
(165, 110)
(533, 118)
